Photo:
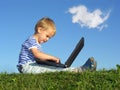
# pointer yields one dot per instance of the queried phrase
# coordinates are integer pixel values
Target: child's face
(45, 35)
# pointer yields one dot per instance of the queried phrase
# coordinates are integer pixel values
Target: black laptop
(70, 59)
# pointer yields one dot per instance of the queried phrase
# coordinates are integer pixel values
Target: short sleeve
(31, 43)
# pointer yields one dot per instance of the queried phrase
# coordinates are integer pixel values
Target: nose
(46, 39)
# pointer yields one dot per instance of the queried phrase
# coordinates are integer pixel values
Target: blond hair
(45, 23)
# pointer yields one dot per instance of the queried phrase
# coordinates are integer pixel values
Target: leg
(37, 68)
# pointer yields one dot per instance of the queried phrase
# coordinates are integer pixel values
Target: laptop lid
(75, 52)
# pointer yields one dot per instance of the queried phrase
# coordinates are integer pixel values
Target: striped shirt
(25, 54)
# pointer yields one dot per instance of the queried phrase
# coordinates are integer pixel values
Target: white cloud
(94, 19)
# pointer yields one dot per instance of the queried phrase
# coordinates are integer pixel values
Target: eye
(48, 36)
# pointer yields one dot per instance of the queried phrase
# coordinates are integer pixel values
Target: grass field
(98, 80)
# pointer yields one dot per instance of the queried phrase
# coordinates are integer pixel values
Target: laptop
(70, 59)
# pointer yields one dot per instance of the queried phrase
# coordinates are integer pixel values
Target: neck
(36, 37)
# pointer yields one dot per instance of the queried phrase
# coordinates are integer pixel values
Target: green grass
(98, 80)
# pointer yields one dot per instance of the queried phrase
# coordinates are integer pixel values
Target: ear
(39, 29)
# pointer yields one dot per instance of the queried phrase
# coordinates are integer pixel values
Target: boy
(44, 30)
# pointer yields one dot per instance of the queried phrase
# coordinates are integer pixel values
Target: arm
(43, 56)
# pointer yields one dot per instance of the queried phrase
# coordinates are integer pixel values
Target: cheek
(41, 37)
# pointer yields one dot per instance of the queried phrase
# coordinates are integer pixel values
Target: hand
(57, 60)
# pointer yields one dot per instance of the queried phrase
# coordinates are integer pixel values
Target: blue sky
(95, 20)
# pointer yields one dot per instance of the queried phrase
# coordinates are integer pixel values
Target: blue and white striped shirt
(26, 54)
